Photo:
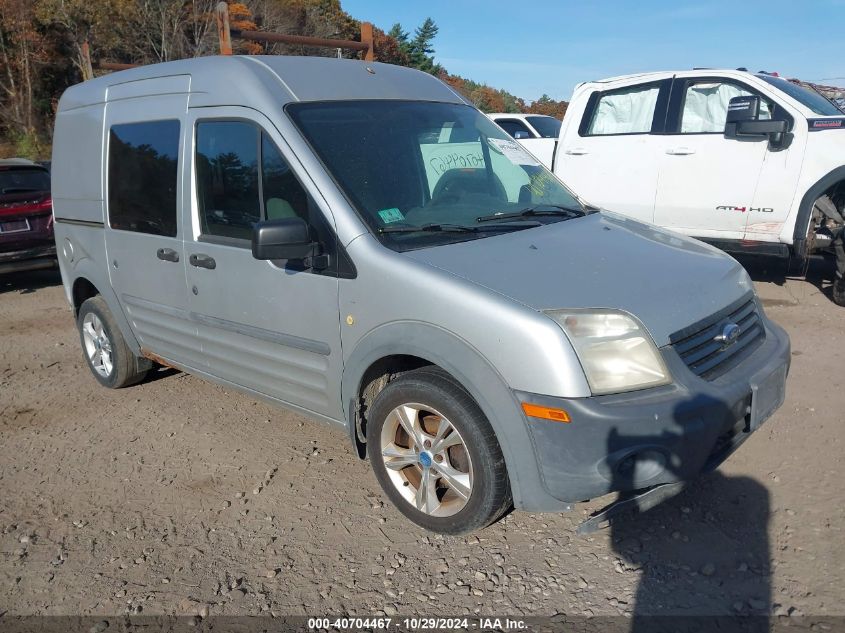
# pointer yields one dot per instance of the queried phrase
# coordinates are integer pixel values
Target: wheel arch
(400, 346)
(88, 283)
(805, 208)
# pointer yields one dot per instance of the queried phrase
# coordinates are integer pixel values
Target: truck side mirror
(743, 121)
(743, 109)
(284, 238)
(520, 134)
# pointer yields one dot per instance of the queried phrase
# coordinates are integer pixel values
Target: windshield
(808, 98)
(423, 174)
(547, 126)
(23, 181)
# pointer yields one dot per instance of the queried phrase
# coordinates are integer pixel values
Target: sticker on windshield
(391, 215)
(513, 151)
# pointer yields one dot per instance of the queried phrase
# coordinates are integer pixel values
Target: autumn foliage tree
(548, 106)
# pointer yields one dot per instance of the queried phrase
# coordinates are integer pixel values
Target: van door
(609, 157)
(272, 327)
(707, 182)
(146, 262)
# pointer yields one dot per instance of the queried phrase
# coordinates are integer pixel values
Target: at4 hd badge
(730, 207)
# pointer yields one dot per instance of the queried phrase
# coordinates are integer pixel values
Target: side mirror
(520, 134)
(743, 109)
(743, 120)
(285, 238)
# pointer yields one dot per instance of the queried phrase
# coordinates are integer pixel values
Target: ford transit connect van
(354, 242)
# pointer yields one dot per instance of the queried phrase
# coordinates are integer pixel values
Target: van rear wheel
(109, 357)
(435, 455)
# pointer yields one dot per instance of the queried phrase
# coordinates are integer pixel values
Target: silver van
(355, 242)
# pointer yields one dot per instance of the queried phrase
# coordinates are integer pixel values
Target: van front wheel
(435, 454)
(109, 357)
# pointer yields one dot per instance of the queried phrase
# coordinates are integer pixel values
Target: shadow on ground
(819, 271)
(703, 554)
(29, 281)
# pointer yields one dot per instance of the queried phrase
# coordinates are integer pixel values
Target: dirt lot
(177, 496)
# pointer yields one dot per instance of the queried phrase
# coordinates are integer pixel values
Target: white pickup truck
(748, 162)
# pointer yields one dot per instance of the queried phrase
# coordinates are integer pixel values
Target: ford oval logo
(730, 334)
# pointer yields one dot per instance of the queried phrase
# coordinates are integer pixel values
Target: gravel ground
(180, 497)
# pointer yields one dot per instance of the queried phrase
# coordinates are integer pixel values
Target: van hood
(603, 260)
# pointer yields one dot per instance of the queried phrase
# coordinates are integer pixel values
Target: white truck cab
(538, 133)
(748, 162)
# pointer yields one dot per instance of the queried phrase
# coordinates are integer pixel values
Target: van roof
(238, 79)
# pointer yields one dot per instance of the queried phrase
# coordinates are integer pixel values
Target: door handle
(680, 151)
(202, 261)
(577, 151)
(167, 254)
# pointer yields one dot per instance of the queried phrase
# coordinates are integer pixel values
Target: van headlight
(616, 352)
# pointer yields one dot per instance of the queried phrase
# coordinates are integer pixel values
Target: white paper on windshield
(513, 151)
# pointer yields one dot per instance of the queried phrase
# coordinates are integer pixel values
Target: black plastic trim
(771, 249)
(90, 223)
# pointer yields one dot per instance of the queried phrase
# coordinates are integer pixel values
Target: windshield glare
(547, 126)
(808, 98)
(418, 164)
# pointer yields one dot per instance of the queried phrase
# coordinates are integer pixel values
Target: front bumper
(662, 435)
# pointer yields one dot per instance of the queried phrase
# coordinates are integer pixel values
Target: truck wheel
(435, 454)
(839, 291)
(109, 357)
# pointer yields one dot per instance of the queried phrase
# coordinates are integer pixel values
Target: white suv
(748, 162)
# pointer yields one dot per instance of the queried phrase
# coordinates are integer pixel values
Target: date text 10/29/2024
(415, 624)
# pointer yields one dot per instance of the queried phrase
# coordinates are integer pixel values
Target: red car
(26, 217)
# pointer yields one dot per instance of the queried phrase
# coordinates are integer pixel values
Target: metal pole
(367, 38)
(224, 33)
(299, 40)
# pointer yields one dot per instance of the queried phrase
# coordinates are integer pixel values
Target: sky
(540, 47)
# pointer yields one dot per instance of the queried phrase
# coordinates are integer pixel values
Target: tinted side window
(142, 178)
(283, 196)
(512, 126)
(626, 111)
(227, 178)
(706, 106)
(242, 179)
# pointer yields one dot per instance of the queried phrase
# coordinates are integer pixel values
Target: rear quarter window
(143, 176)
(628, 110)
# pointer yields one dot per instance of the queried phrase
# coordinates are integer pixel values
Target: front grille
(707, 357)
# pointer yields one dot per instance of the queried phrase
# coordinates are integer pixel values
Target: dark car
(26, 217)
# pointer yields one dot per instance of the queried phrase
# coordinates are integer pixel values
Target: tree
(398, 34)
(548, 106)
(22, 50)
(417, 51)
(82, 22)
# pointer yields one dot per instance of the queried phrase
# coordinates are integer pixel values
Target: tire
(468, 486)
(106, 352)
(839, 291)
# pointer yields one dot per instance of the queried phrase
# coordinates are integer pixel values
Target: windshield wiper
(453, 228)
(431, 228)
(533, 212)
